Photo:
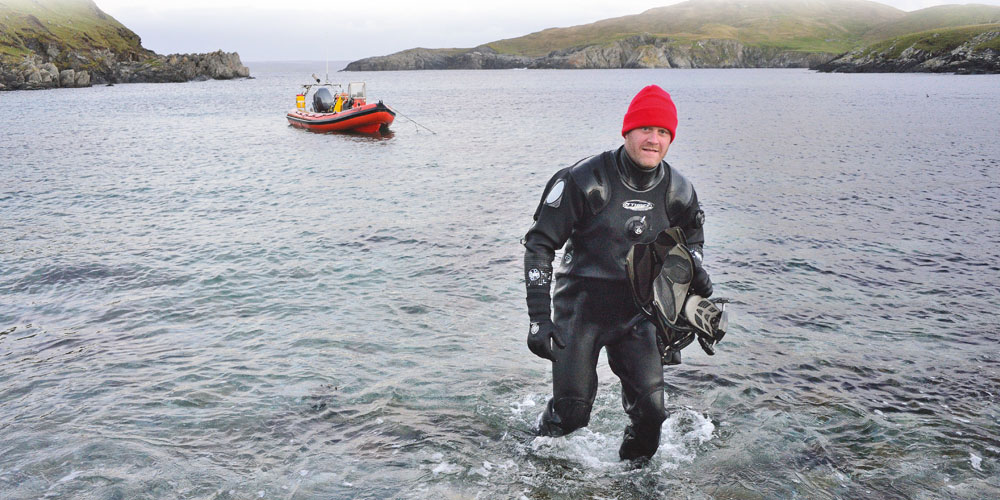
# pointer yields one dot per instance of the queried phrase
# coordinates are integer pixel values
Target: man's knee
(564, 416)
(575, 413)
(648, 411)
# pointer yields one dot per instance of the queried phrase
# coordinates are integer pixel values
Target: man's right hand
(540, 334)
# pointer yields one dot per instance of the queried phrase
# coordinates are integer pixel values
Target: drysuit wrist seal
(539, 306)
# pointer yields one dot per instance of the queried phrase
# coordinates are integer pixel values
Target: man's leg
(636, 361)
(574, 380)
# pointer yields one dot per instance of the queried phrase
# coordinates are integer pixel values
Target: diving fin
(709, 318)
(643, 266)
(660, 274)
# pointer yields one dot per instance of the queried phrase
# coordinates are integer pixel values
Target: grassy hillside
(808, 25)
(942, 16)
(936, 41)
(56, 28)
(831, 26)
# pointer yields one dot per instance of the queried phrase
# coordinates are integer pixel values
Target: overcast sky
(271, 30)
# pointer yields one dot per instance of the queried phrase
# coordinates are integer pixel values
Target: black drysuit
(599, 208)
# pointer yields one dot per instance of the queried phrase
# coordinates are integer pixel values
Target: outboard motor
(323, 101)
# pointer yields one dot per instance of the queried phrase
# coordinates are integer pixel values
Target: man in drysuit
(599, 209)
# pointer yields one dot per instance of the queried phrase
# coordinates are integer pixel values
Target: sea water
(199, 301)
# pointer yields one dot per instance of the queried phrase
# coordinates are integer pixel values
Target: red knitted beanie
(651, 107)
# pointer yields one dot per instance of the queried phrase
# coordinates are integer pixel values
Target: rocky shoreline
(639, 51)
(36, 71)
(964, 59)
(648, 51)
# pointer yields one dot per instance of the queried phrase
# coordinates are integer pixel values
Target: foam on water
(683, 432)
(584, 447)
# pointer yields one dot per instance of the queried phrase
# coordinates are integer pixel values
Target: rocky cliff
(639, 51)
(648, 51)
(965, 51)
(72, 43)
(34, 72)
(735, 34)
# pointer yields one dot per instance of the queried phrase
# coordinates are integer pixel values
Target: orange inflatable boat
(340, 111)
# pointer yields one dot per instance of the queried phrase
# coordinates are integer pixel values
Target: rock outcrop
(967, 58)
(216, 65)
(481, 57)
(73, 43)
(639, 51)
(103, 66)
(648, 51)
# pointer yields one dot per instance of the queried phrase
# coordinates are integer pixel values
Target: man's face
(647, 146)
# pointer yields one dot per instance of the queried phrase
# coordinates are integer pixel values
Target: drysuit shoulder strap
(591, 176)
(680, 196)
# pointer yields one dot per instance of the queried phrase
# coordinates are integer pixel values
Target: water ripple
(219, 306)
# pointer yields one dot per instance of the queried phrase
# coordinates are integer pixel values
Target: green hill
(942, 16)
(807, 25)
(937, 41)
(58, 29)
(705, 34)
(73, 43)
(963, 49)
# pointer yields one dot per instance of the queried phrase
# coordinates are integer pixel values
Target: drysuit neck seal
(636, 177)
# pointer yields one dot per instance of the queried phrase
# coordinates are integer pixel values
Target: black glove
(539, 335)
(542, 331)
(701, 283)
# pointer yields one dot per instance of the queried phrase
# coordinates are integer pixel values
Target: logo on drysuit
(534, 329)
(538, 277)
(554, 198)
(636, 227)
(637, 205)
(534, 275)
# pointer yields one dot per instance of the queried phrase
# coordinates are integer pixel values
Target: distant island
(826, 35)
(73, 43)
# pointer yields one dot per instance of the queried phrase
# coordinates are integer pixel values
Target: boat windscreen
(356, 90)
